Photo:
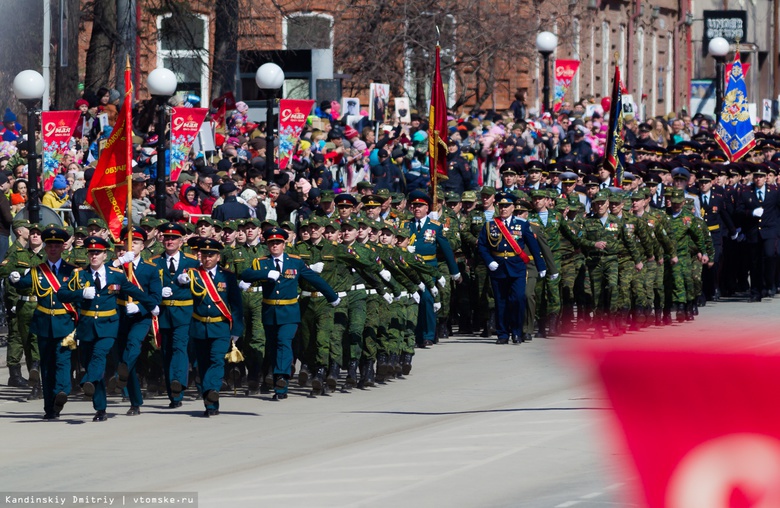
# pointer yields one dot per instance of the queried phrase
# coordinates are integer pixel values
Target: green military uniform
(451, 227)
(484, 304)
(575, 283)
(689, 239)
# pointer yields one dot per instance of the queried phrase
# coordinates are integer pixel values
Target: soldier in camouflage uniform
(483, 303)
(603, 235)
(450, 225)
(575, 285)
(22, 256)
(697, 267)
(464, 291)
(152, 246)
(688, 239)
(77, 255)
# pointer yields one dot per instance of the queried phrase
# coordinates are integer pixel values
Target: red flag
(437, 128)
(108, 190)
(698, 418)
(224, 103)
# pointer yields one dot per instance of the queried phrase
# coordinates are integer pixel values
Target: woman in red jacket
(188, 202)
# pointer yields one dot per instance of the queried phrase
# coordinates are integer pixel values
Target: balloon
(606, 103)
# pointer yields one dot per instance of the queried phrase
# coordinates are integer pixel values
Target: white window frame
(606, 46)
(576, 81)
(640, 70)
(162, 54)
(310, 15)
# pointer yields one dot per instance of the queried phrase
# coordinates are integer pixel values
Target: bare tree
(225, 47)
(101, 45)
(66, 79)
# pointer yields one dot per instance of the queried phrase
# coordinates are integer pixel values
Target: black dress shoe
(210, 412)
(133, 411)
(505, 340)
(212, 396)
(428, 343)
(176, 387)
(89, 389)
(527, 337)
(279, 396)
(174, 404)
(51, 416)
(100, 416)
(59, 402)
(122, 374)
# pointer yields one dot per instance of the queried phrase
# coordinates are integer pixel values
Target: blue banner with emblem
(734, 132)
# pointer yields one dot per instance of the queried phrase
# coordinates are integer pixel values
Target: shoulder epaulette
(262, 258)
(294, 256)
(116, 269)
(191, 256)
(435, 222)
(150, 263)
(158, 256)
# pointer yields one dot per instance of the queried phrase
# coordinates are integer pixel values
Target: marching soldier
(217, 318)
(175, 311)
(679, 282)
(483, 301)
(279, 273)
(52, 320)
(501, 245)
(135, 320)
(96, 291)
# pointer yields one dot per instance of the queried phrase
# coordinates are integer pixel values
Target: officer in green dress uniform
(135, 320)
(217, 318)
(96, 291)
(279, 274)
(175, 311)
(428, 241)
(51, 321)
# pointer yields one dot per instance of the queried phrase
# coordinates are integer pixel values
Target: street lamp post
(269, 77)
(162, 85)
(28, 88)
(718, 48)
(546, 42)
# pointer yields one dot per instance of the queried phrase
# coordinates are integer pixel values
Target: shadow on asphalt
(508, 410)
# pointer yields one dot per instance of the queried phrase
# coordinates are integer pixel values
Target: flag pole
(129, 147)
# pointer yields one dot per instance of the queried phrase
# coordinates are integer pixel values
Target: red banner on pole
(185, 126)
(108, 192)
(292, 118)
(57, 128)
(565, 70)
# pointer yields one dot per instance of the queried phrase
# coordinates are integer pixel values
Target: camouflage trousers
(484, 304)
(604, 277)
(575, 281)
(316, 330)
(253, 342)
(627, 276)
(643, 285)
(548, 295)
(679, 281)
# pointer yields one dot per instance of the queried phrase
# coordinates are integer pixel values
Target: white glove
(317, 267)
(336, 302)
(436, 307)
(441, 282)
(493, 266)
(456, 277)
(434, 291)
(385, 274)
(234, 338)
(274, 274)
(410, 248)
(183, 278)
(421, 285)
(433, 215)
(27, 271)
(132, 308)
(89, 293)
(416, 297)
(13, 309)
(243, 286)
(388, 297)
(14, 277)
(156, 310)
(758, 212)
(167, 292)
(554, 276)
(126, 257)
(542, 274)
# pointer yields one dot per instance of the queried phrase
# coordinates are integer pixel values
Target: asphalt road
(474, 425)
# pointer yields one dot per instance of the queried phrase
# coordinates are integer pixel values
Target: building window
(182, 46)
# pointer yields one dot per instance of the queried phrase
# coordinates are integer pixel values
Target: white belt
(403, 294)
(315, 294)
(358, 286)
(371, 292)
(255, 289)
(342, 294)
(28, 298)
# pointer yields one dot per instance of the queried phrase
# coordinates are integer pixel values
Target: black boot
(406, 363)
(680, 312)
(542, 333)
(695, 307)
(318, 382)
(352, 375)
(667, 316)
(555, 330)
(443, 328)
(370, 377)
(35, 373)
(639, 319)
(333, 376)
(15, 379)
(303, 375)
(689, 314)
(363, 374)
(395, 365)
(36, 392)
(382, 365)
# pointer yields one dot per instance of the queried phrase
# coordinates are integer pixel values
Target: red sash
(55, 285)
(212, 292)
(155, 321)
(511, 240)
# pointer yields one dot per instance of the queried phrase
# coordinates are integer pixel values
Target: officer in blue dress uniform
(96, 290)
(279, 274)
(507, 268)
(175, 310)
(135, 320)
(51, 322)
(427, 240)
(217, 318)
